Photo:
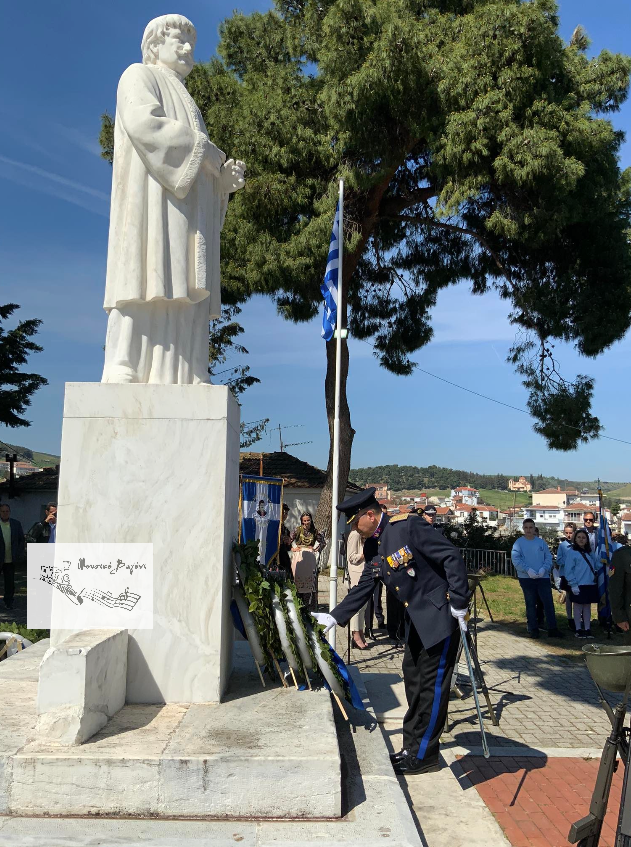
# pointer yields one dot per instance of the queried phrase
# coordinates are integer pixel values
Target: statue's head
(169, 41)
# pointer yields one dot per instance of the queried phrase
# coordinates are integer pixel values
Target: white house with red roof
(465, 494)
(625, 523)
(486, 514)
(555, 517)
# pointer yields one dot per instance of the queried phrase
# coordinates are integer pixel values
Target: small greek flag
(604, 551)
(329, 286)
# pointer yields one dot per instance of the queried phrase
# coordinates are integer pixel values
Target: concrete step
(264, 753)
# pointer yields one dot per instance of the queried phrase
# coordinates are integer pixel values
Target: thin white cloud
(78, 138)
(58, 186)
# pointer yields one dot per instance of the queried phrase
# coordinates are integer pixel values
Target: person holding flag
(604, 551)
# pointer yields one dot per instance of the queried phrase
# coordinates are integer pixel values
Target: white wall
(302, 500)
(28, 508)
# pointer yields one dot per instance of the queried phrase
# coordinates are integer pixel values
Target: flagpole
(336, 421)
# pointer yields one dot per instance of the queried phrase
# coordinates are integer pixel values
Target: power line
(508, 406)
(499, 402)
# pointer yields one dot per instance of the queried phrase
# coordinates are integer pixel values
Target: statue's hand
(232, 176)
(214, 159)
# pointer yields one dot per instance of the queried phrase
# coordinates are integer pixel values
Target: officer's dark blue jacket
(433, 578)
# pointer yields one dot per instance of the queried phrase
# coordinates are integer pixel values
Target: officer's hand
(624, 626)
(461, 615)
(576, 590)
(327, 621)
(532, 574)
(542, 573)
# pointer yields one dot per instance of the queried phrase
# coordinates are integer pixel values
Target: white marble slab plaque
(90, 586)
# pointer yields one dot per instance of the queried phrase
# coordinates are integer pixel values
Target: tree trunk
(323, 514)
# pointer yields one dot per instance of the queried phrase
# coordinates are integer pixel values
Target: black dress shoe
(412, 765)
(396, 757)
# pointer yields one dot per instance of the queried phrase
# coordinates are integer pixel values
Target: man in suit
(426, 573)
(12, 551)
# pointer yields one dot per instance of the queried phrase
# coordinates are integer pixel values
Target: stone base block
(160, 464)
(264, 753)
(374, 808)
(82, 684)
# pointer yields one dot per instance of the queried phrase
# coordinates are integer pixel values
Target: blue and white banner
(260, 514)
(329, 286)
(604, 552)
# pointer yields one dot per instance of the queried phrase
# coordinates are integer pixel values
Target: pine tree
(475, 145)
(16, 387)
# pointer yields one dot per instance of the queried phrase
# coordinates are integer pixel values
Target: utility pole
(11, 458)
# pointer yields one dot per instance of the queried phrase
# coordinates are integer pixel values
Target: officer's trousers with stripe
(427, 676)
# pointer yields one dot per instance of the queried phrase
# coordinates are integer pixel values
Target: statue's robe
(163, 282)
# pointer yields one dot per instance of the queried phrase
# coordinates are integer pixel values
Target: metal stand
(587, 830)
(478, 676)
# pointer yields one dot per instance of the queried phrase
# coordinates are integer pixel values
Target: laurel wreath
(258, 593)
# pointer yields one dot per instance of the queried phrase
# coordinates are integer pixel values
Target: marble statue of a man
(170, 187)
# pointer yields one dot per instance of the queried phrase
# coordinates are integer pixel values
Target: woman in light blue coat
(558, 573)
(581, 574)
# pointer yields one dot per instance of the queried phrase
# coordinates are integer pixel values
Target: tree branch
(464, 231)
(394, 205)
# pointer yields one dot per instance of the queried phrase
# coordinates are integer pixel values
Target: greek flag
(604, 551)
(261, 497)
(329, 286)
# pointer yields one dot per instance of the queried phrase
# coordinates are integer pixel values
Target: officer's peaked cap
(362, 500)
(430, 510)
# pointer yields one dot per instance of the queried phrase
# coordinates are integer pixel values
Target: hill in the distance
(623, 493)
(411, 478)
(25, 454)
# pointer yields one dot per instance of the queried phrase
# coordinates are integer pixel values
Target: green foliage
(25, 454)
(438, 481)
(561, 408)
(622, 492)
(474, 144)
(32, 634)
(257, 592)
(106, 137)
(479, 536)
(222, 342)
(16, 387)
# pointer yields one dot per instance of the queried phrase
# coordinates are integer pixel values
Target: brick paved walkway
(543, 700)
(536, 800)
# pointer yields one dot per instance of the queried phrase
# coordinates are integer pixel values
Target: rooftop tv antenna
(283, 446)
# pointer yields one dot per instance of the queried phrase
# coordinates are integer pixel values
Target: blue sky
(53, 241)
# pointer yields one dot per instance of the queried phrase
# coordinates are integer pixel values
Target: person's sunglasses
(589, 520)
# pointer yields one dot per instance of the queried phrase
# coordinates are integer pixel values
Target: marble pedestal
(160, 463)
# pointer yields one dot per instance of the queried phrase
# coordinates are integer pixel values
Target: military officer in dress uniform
(427, 574)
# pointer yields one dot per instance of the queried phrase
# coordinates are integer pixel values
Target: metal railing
(491, 561)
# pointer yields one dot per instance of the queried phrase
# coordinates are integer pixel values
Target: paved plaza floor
(544, 754)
